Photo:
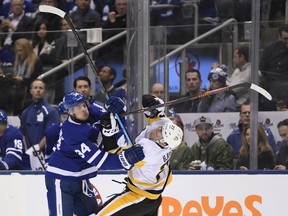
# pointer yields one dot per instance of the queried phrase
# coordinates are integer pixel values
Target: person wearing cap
(12, 148)
(211, 149)
(222, 101)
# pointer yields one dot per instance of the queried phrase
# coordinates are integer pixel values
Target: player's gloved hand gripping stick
(62, 14)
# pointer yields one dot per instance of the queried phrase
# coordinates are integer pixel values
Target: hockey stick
(62, 14)
(26, 134)
(252, 86)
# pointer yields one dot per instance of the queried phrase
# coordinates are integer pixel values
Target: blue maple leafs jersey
(76, 155)
(12, 150)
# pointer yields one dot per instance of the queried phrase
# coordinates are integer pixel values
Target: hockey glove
(3, 165)
(149, 100)
(131, 156)
(115, 105)
(109, 124)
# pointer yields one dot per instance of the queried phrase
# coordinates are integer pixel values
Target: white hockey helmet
(172, 135)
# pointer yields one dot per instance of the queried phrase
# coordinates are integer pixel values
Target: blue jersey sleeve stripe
(94, 156)
(63, 172)
(102, 160)
(14, 150)
(15, 154)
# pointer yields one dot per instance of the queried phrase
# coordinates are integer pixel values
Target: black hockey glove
(109, 125)
(149, 100)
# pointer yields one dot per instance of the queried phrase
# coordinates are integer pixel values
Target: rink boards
(199, 193)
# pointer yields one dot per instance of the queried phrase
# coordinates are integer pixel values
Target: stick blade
(52, 10)
(261, 91)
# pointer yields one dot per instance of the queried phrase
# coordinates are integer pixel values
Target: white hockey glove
(35, 155)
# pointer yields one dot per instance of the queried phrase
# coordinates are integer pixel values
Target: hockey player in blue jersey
(12, 149)
(52, 133)
(77, 158)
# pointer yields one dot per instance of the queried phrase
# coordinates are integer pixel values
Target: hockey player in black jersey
(76, 159)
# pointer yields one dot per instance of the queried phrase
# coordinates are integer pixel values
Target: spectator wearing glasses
(234, 138)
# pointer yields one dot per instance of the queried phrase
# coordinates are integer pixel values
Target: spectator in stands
(53, 23)
(12, 148)
(157, 89)
(66, 47)
(225, 9)
(84, 17)
(117, 18)
(104, 7)
(5, 92)
(181, 156)
(6, 9)
(43, 43)
(266, 159)
(17, 24)
(282, 156)
(193, 85)
(241, 74)
(274, 66)
(221, 102)
(36, 119)
(211, 149)
(82, 84)
(234, 139)
(7, 58)
(281, 106)
(27, 67)
(167, 16)
(107, 76)
(115, 24)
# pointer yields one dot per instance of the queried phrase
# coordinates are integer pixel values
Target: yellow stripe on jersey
(147, 184)
(146, 193)
(121, 202)
(139, 164)
(150, 120)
